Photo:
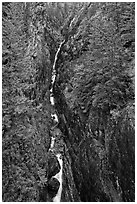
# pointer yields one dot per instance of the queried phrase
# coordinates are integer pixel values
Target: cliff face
(88, 161)
(68, 102)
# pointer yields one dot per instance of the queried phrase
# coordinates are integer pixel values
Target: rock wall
(87, 159)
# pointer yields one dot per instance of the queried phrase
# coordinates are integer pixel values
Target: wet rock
(53, 186)
(56, 132)
(53, 166)
(69, 190)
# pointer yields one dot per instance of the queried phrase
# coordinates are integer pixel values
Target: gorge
(68, 124)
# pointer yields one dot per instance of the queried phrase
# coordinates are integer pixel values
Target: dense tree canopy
(94, 96)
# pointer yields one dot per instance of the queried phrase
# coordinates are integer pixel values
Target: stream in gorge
(69, 168)
(61, 184)
(54, 137)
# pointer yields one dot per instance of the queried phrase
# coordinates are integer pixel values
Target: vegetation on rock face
(94, 99)
(25, 105)
(103, 94)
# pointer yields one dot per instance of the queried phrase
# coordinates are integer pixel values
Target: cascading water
(54, 74)
(59, 157)
(58, 176)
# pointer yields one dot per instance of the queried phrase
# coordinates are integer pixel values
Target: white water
(54, 70)
(52, 98)
(55, 117)
(58, 176)
(52, 101)
(52, 143)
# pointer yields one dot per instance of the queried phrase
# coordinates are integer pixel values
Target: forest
(68, 102)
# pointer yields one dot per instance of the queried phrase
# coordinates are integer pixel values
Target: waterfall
(55, 117)
(52, 101)
(52, 143)
(54, 65)
(58, 176)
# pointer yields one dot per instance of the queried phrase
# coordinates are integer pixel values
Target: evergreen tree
(93, 91)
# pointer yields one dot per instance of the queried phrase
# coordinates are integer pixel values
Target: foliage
(95, 94)
(102, 78)
(25, 118)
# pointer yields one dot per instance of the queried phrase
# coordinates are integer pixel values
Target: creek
(54, 138)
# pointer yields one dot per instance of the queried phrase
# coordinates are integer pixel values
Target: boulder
(53, 166)
(53, 186)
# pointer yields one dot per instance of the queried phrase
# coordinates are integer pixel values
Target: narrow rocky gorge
(55, 137)
(57, 148)
(68, 121)
(60, 138)
(82, 158)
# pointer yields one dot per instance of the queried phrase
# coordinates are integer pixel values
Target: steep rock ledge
(87, 155)
(69, 191)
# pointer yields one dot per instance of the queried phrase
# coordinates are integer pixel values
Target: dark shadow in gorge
(88, 167)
